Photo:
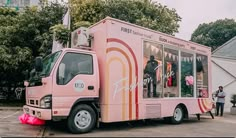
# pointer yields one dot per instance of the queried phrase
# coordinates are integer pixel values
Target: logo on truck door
(79, 85)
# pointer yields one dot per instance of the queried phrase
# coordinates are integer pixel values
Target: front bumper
(44, 114)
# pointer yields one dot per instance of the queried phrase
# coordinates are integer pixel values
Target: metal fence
(11, 94)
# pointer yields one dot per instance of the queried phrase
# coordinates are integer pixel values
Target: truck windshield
(48, 63)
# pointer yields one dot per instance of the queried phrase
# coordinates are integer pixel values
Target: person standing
(150, 70)
(220, 94)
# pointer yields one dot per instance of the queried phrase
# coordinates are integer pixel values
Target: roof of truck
(117, 20)
(79, 49)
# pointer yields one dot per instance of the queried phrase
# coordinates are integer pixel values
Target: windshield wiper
(42, 75)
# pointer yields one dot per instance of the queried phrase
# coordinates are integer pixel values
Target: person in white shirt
(220, 94)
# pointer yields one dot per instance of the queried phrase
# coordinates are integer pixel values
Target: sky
(195, 12)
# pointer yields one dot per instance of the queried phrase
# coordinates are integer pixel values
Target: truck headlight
(46, 101)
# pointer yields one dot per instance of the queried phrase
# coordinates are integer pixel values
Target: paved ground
(218, 127)
(10, 125)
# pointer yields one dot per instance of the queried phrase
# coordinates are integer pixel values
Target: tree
(23, 36)
(61, 33)
(215, 34)
(141, 12)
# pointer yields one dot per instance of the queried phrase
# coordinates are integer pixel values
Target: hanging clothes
(174, 74)
(169, 82)
(199, 66)
(189, 80)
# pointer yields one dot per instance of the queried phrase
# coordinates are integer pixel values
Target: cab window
(73, 64)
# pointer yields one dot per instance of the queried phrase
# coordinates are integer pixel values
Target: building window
(14, 3)
(25, 3)
(2, 2)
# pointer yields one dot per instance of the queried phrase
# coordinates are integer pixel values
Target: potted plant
(233, 101)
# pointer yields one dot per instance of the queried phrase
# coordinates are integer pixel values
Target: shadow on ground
(61, 126)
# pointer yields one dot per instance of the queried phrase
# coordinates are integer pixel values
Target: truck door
(75, 79)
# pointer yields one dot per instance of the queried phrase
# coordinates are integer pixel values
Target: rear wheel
(82, 119)
(178, 115)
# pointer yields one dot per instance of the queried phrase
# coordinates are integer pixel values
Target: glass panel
(73, 64)
(2, 2)
(202, 76)
(152, 83)
(14, 2)
(21, 3)
(187, 78)
(48, 63)
(26, 2)
(171, 75)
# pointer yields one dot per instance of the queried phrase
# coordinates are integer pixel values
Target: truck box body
(123, 49)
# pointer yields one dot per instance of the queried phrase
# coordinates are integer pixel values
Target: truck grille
(33, 102)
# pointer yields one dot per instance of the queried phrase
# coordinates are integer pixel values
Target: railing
(12, 93)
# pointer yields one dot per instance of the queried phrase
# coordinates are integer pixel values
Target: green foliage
(23, 36)
(215, 34)
(29, 33)
(233, 100)
(8, 11)
(82, 24)
(61, 33)
(141, 12)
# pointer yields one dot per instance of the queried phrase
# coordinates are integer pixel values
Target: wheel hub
(178, 114)
(82, 119)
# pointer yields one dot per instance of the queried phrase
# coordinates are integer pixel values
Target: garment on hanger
(199, 66)
(174, 74)
(189, 80)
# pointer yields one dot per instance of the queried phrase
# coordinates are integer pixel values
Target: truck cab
(65, 85)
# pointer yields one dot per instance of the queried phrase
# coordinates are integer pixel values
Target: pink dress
(189, 80)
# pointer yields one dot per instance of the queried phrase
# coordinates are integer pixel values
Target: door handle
(90, 87)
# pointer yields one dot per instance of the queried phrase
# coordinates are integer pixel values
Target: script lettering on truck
(134, 85)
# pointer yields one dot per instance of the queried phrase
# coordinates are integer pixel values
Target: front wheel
(82, 119)
(178, 115)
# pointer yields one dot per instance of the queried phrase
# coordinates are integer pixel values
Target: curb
(41, 132)
(10, 108)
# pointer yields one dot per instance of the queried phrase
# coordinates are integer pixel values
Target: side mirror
(38, 64)
(26, 83)
(62, 70)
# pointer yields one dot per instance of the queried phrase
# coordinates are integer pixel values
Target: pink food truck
(117, 71)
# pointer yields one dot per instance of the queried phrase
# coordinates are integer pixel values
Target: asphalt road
(10, 126)
(206, 127)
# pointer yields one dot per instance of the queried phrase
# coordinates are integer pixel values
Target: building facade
(223, 70)
(18, 3)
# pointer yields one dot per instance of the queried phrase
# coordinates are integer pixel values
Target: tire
(178, 115)
(167, 120)
(82, 119)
